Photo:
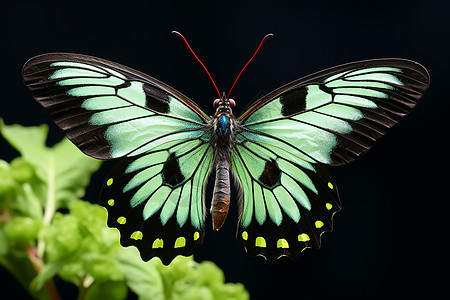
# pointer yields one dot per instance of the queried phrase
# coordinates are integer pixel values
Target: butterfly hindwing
(106, 109)
(336, 115)
(156, 199)
(286, 203)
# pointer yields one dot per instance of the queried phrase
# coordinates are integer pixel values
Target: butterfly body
(223, 141)
(276, 151)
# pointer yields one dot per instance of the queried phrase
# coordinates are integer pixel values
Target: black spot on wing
(156, 99)
(171, 172)
(293, 101)
(270, 177)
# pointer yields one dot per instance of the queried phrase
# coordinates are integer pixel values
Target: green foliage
(38, 242)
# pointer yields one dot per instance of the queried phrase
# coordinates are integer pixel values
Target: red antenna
(257, 49)
(210, 77)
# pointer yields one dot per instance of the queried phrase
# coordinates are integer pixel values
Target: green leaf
(111, 290)
(62, 237)
(183, 279)
(63, 167)
(18, 188)
(21, 170)
(92, 217)
(22, 229)
(143, 278)
(83, 239)
(209, 273)
(29, 141)
(27, 202)
(102, 267)
(4, 244)
(47, 272)
(187, 279)
(7, 182)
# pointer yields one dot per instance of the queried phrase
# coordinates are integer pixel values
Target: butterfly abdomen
(221, 195)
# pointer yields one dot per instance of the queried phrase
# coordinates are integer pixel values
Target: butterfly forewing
(336, 115)
(331, 117)
(106, 109)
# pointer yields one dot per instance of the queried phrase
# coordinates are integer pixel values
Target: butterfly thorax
(223, 123)
(223, 127)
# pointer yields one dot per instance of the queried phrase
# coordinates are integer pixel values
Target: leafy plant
(39, 242)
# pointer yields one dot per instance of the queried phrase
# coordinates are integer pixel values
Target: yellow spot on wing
(245, 235)
(260, 242)
(180, 242)
(111, 202)
(196, 235)
(330, 185)
(109, 182)
(303, 237)
(329, 206)
(282, 243)
(137, 235)
(318, 224)
(158, 243)
(121, 220)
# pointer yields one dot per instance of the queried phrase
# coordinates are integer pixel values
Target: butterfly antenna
(257, 49)
(192, 51)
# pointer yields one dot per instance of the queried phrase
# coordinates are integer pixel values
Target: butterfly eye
(216, 102)
(232, 103)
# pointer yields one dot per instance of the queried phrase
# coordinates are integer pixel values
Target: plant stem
(38, 263)
(81, 292)
(83, 286)
(50, 205)
(35, 254)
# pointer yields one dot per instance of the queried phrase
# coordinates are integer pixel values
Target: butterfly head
(224, 104)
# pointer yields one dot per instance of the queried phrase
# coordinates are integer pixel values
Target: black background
(392, 237)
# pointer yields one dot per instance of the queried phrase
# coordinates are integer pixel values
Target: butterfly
(276, 151)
